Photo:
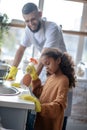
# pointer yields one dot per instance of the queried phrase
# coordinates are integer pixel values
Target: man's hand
(33, 99)
(32, 71)
(12, 74)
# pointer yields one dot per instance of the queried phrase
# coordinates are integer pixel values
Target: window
(13, 7)
(68, 14)
(84, 56)
(11, 42)
(65, 13)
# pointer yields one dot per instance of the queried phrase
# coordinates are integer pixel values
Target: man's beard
(39, 25)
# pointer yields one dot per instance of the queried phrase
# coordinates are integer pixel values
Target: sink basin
(8, 90)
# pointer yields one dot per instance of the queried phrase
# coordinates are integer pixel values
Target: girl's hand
(32, 71)
(33, 99)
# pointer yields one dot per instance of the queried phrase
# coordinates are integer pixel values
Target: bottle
(27, 78)
(25, 64)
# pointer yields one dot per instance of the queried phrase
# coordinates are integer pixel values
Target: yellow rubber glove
(16, 85)
(33, 99)
(32, 71)
(12, 74)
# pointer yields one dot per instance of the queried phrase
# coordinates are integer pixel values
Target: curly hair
(66, 65)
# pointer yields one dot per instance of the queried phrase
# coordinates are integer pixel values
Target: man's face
(32, 20)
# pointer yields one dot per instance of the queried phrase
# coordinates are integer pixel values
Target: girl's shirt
(53, 99)
(54, 92)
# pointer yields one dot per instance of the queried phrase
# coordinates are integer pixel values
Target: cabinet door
(13, 118)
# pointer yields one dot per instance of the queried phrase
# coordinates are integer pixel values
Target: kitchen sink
(8, 90)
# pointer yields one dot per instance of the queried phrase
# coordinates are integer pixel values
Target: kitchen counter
(15, 102)
(13, 110)
(82, 79)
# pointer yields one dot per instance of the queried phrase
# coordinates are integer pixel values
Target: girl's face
(52, 65)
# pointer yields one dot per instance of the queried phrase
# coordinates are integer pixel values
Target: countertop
(14, 101)
(82, 79)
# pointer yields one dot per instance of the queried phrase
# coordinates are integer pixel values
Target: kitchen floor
(74, 124)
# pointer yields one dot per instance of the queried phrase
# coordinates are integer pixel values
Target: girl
(53, 95)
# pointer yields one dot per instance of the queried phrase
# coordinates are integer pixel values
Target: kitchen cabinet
(13, 118)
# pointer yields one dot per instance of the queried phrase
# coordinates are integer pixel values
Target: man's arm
(39, 68)
(13, 70)
(40, 65)
(18, 56)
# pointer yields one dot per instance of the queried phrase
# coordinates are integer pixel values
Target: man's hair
(29, 7)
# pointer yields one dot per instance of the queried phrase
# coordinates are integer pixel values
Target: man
(42, 34)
